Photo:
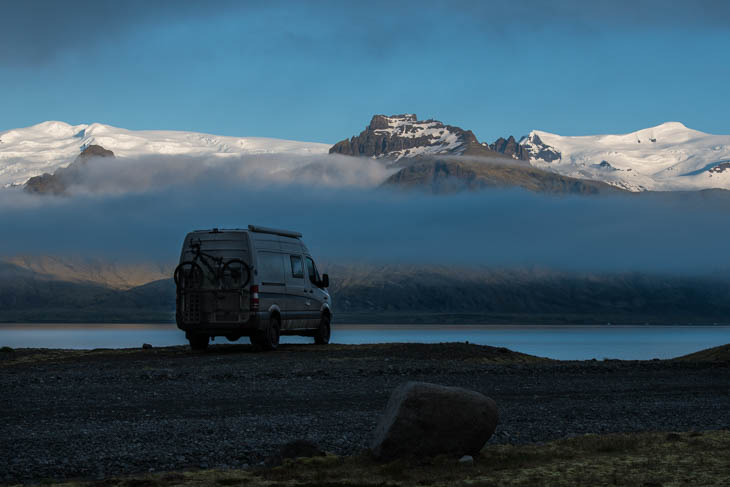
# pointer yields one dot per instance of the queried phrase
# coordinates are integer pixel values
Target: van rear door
(220, 296)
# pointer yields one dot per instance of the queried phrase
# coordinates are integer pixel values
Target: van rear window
(227, 245)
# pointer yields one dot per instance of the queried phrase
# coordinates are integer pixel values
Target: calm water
(559, 342)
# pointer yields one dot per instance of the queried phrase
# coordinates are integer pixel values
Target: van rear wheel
(268, 339)
(322, 335)
(199, 342)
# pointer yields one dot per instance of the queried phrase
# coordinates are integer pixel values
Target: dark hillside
(407, 294)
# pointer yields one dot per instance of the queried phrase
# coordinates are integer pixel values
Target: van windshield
(312, 271)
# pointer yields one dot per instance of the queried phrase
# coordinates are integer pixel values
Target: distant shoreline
(407, 326)
(385, 319)
(558, 342)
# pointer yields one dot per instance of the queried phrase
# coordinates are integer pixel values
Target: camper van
(257, 282)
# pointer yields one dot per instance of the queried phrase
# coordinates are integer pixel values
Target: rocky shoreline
(94, 414)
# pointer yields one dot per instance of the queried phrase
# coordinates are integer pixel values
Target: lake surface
(558, 342)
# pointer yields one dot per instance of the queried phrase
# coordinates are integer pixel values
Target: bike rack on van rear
(227, 278)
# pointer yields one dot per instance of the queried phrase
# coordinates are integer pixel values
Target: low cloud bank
(497, 228)
(120, 175)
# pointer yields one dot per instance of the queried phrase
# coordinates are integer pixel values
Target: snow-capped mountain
(668, 157)
(43, 148)
(404, 136)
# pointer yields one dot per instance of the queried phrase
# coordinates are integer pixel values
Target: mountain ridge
(666, 157)
(48, 146)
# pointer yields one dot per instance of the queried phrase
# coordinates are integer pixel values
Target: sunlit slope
(27, 295)
(43, 148)
(107, 273)
(452, 175)
(668, 157)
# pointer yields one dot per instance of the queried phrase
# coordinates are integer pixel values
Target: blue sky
(318, 71)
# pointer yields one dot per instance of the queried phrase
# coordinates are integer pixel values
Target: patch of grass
(719, 354)
(6, 350)
(143, 482)
(235, 480)
(641, 459)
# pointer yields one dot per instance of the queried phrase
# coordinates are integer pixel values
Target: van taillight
(254, 298)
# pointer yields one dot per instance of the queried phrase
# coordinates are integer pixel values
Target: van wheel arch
(268, 338)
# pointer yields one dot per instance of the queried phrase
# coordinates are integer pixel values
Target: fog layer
(498, 228)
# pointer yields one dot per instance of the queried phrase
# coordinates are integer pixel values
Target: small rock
(466, 460)
(146, 346)
(295, 449)
(300, 448)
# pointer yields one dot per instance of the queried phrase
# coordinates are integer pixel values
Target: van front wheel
(322, 335)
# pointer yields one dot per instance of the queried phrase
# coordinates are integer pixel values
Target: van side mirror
(325, 282)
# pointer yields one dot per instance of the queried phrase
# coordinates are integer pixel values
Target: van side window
(312, 271)
(271, 267)
(296, 266)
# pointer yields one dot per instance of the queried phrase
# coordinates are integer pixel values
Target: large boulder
(423, 419)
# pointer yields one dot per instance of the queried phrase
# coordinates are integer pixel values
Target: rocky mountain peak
(93, 151)
(399, 136)
(510, 147)
(383, 122)
(58, 182)
(537, 149)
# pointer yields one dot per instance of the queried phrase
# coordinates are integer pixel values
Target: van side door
(295, 291)
(316, 295)
(272, 278)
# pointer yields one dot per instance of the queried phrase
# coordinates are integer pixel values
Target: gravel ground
(91, 414)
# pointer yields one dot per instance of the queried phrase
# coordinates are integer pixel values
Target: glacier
(667, 157)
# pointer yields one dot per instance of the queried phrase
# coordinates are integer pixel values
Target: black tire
(188, 275)
(236, 274)
(322, 335)
(199, 342)
(268, 339)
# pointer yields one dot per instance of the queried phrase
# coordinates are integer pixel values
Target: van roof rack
(275, 231)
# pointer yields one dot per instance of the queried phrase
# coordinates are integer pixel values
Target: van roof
(275, 231)
(254, 228)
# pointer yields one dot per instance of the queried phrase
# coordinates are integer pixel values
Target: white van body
(257, 282)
